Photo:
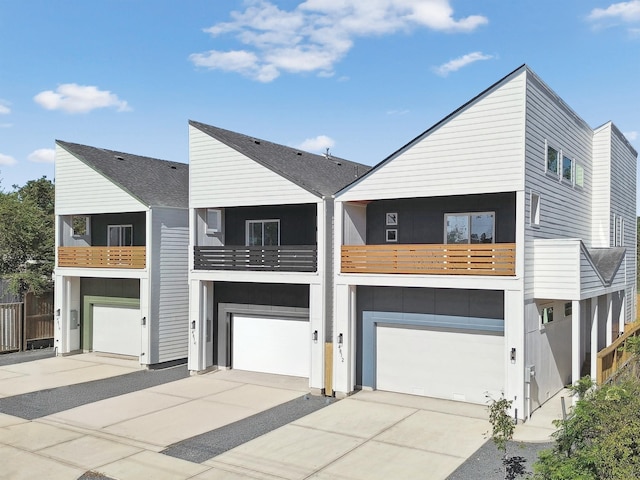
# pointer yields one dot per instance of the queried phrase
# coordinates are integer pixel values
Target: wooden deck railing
(102, 257)
(431, 259)
(610, 359)
(283, 258)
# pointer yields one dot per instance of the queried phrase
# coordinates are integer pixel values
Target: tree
(600, 440)
(27, 236)
(502, 429)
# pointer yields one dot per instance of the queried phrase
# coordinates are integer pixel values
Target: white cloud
(633, 135)
(457, 63)
(7, 160)
(624, 11)
(317, 144)
(74, 98)
(42, 155)
(317, 34)
(4, 107)
(6, 125)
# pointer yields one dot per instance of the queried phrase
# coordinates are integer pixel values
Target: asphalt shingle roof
(318, 174)
(156, 183)
(607, 261)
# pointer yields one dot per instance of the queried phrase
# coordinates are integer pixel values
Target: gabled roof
(155, 183)
(319, 174)
(437, 125)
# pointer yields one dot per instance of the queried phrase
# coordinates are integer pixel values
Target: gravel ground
(485, 463)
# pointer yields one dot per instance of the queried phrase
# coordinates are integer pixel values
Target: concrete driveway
(370, 435)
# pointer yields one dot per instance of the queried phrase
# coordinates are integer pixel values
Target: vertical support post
(594, 337)
(575, 341)
(609, 328)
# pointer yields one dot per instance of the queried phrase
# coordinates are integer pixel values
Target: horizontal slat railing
(287, 258)
(610, 359)
(102, 257)
(431, 259)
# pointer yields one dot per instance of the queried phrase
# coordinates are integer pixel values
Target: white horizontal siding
(82, 190)
(565, 210)
(219, 176)
(556, 269)
(477, 150)
(590, 283)
(169, 286)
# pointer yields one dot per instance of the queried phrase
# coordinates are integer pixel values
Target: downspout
(328, 295)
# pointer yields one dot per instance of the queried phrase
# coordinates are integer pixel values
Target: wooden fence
(23, 324)
(612, 358)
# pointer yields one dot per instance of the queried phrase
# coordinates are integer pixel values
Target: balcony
(102, 257)
(283, 258)
(431, 259)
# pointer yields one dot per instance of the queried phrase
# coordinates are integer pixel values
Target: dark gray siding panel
(297, 223)
(421, 220)
(99, 225)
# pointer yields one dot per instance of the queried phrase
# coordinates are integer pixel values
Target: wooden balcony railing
(284, 258)
(102, 257)
(431, 259)
(610, 359)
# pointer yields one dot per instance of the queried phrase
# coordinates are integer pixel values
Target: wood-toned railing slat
(430, 259)
(288, 258)
(102, 257)
(611, 358)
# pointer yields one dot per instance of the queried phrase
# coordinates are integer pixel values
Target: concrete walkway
(370, 435)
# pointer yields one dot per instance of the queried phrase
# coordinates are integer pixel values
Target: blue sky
(361, 77)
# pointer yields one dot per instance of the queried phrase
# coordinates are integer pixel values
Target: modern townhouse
(493, 254)
(260, 269)
(121, 275)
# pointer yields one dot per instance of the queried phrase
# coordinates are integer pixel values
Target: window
(546, 315)
(567, 169)
(469, 227)
(618, 232)
(552, 160)
(214, 220)
(263, 232)
(535, 209)
(579, 175)
(392, 235)
(80, 226)
(120, 235)
(568, 309)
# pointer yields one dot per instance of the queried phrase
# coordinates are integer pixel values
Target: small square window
(546, 316)
(392, 219)
(80, 226)
(392, 235)
(214, 220)
(553, 160)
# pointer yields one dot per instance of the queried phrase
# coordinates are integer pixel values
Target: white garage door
(116, 330)
(454, 366)
(271, 345)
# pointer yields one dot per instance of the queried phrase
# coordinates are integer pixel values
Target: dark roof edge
(112, 180)
(196, 124)
(435, 126)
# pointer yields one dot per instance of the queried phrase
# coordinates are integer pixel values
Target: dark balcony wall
(284, 295)
(99, 225)
(298, 223)
(421, 220)
(110, 287)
